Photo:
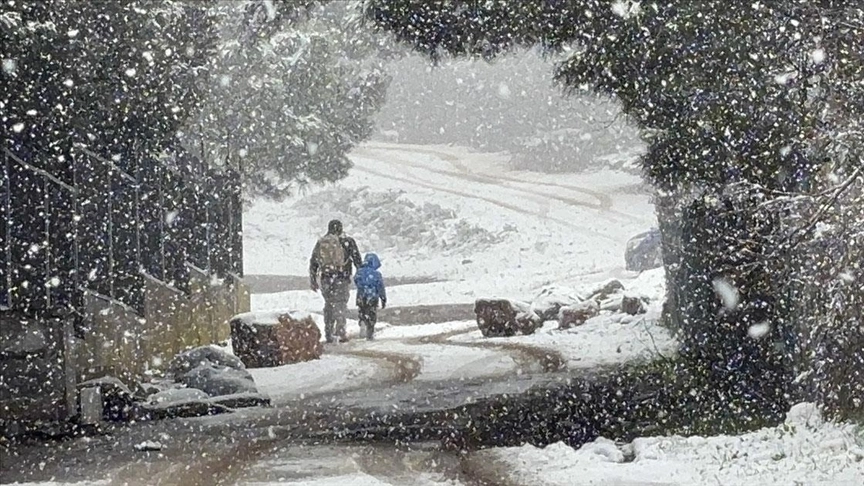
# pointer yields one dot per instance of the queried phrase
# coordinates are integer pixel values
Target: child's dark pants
(368, 315)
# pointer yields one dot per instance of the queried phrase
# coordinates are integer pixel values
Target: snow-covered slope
(451, 214)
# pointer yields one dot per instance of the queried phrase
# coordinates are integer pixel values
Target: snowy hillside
(450, 214)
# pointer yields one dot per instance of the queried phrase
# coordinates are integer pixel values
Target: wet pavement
(402, 428)
(218, 449)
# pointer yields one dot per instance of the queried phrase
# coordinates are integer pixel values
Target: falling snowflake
(311, 148)
(503, 90)
(10, 66)
(727, 292)
(170, 216)
(818, 56)
(785, 78)
(758, 331)
(626, 9)
(270, 8)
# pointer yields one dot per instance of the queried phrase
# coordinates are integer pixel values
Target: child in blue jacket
(370, 291)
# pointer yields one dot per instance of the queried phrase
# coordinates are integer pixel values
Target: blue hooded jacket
(370, 284)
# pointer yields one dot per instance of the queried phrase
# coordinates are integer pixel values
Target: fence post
(110, 233)
(5, 232)
(77, 299)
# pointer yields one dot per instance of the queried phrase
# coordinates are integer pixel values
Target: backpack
(331, 255)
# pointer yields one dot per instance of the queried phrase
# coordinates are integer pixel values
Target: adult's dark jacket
(353, 260)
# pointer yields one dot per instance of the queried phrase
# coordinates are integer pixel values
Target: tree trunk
(669, 219)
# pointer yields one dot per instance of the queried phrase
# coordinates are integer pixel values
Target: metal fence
(96, 224)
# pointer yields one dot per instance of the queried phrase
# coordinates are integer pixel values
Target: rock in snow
(505, 318)
(606, 290)
(148, 445)
(551, 299)
(574, 316)
(216, 380)
(272, 340)
(633, 305)
(175, 395)
(644, 252)
(184, 362)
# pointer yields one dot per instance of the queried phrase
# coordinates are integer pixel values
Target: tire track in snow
(405, 367)
(496, 202)
(407, 467)
(219, 464)
(605, 201)
(603, 205)
(528, 358)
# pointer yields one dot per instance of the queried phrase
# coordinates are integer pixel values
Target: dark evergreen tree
(117, 76)
(285, 108)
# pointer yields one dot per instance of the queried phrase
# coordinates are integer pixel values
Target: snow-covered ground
(457, 350)
(803, 451)
(441, 362)
(610, 338)
(599, 342)
(413, 332)
(454, 215)
(473, 228)
(284, 384)
(478, 229)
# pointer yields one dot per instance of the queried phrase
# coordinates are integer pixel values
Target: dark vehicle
(644, 251)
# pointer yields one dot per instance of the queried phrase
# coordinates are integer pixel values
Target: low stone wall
(121, 343)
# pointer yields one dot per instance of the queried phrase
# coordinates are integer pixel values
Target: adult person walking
(330, 269)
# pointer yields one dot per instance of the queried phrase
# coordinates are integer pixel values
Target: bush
(387, 219)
